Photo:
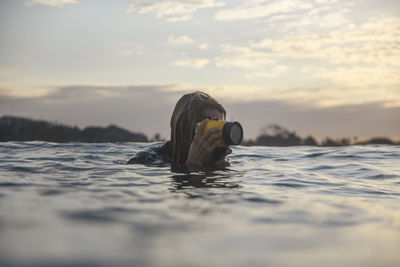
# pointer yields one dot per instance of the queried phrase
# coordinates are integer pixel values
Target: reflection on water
(211, 179)
(79, 204)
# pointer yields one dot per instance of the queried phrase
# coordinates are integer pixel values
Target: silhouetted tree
(341, 142)
(21, 129)
(310, 141)
(378, 141)
(275, 135)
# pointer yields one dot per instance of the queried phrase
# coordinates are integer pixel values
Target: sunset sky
(320, 67)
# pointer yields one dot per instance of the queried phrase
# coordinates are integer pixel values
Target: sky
(319, 67)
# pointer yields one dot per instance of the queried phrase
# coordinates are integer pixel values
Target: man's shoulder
(155, 154)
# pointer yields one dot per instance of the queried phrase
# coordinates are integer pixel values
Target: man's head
(189, 110)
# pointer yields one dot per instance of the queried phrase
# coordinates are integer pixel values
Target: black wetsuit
(161, 155)
(155, 155)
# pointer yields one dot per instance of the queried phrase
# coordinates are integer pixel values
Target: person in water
(189, 149)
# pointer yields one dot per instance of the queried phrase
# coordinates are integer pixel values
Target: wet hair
(187, 113)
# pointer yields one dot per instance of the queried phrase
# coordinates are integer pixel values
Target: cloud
(320, 17)
(197, 63)
(357, 76)
(330, 20)
(128, 49)
(260, 9)
(326, 1)
(243, 57)
(365, 56)
(171, 10)
(25, 91)
(4, 70)
(203, 46)
(270, 73)
(250, 93)
(374, 42)
(319, 95)
(54, 3)
(147, 108)
(80, 92)
(181, 40)
(132, 51)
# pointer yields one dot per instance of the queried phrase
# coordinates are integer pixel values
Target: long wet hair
(187, 113)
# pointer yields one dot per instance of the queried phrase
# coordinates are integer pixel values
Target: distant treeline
(23, 129)
(275, 135)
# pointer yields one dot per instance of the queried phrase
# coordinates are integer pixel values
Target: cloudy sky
(320, 67)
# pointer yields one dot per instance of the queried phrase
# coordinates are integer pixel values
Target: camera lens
(232, 133)
(236, 134)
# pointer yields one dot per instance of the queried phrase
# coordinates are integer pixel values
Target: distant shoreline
(22, 129)
(13, 128)
(276, 135)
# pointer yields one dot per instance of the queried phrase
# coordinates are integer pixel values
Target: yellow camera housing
(231, 132)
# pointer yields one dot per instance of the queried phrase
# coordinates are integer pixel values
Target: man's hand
(202, 147)
(222, 161)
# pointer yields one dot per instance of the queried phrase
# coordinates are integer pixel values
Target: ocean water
(79, 204)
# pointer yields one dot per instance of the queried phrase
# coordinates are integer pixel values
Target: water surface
(80, 204)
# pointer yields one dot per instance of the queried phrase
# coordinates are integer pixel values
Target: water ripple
(81, 201)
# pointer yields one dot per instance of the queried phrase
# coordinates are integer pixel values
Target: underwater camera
(231, 133)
